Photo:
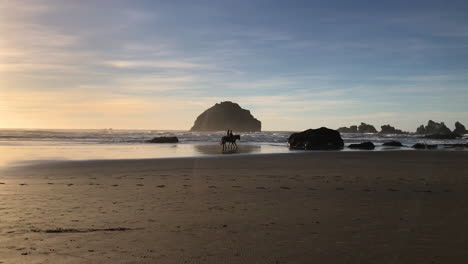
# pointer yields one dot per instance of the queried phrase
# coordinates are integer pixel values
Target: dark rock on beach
(392, 144)
(423, 146)
(316, 139)
(364, 145)
(419, 146)
(164, 140)
(224, 116)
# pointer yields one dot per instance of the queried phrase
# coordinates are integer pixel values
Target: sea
(23, 146)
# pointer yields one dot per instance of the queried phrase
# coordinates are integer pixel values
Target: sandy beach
(317, 207)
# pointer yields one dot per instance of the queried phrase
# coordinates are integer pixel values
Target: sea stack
(433, 128)
(460, 129)
(224, 116)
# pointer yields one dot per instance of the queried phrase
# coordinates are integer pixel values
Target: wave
(114, 136)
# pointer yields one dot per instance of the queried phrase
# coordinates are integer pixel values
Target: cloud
(165, 64)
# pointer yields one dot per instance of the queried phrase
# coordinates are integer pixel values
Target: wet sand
(322, 207)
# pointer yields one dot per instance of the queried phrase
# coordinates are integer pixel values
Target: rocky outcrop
(421, 130)
(364, 145)
(392, 144)
(388, 129)
(316, 139)
(433, 128)
(460, 128)
(164, 140)
(224, 116)
(365, 128)
(351, 129)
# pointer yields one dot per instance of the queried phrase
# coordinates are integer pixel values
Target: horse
(229, 139)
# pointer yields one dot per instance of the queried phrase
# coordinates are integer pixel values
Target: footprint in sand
(285, 188)
(70, 184)
(22, 184)
(161, 186)
(236, 186)
(2, 183)
(140, 184)
(115, 185)
(211, 186)
(423, 191)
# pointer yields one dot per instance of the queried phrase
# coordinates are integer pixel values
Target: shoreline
(51, 162)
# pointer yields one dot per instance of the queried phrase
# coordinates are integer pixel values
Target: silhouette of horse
(231, 140)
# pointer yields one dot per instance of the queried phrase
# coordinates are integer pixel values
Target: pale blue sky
(294, 64)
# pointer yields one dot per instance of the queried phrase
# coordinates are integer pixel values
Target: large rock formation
(460, 128)
(365, 128)
(316, 139)
(388, 129)
(351, 129)
(433, 128)
(224, 116)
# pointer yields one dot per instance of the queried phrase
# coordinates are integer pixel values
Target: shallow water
(18, 146)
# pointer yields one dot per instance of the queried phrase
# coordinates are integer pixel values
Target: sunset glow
(154, 65)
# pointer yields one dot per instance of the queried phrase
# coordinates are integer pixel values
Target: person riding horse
(229, 138)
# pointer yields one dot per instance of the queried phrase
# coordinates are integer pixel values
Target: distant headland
(432, 128)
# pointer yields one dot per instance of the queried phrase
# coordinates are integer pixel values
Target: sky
(294, 64)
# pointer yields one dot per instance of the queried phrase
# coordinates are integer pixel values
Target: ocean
(19, 146)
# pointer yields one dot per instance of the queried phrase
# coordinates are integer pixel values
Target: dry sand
(321, 207)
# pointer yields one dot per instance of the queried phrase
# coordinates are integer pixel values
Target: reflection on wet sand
(214, 149)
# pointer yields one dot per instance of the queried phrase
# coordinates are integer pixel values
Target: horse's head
(237, 137)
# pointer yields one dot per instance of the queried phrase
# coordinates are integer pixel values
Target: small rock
(364, 145)
(393, 144)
